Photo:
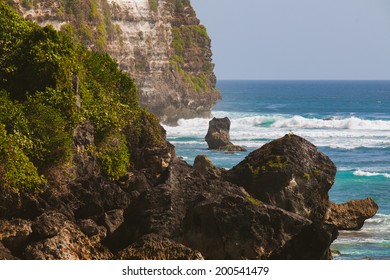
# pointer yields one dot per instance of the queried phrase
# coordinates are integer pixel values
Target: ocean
(347, 120)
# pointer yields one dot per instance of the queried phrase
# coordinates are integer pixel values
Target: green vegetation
(253, 200)
(153, 5)
(254, 171)
(306, 176)
(187, 37)
(113, 155)
(16, 170)
(180, 5)
(89, 21)
(277, 162)
(49, 84)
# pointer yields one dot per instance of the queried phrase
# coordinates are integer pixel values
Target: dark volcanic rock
(48, 224)
(88, 227)
(218, 219)
(68, 243)
(14, 234)
(352, 214)
(205, 166)
(290, 173)
(86, 162)
(113, 219)
(5, 254)
(155, 247)
(218, 137)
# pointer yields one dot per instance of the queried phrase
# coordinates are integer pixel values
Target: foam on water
(343, 118)
(246, 129)
(370, 174)
(373, 236)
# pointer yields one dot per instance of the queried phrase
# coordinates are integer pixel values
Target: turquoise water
(347, 120)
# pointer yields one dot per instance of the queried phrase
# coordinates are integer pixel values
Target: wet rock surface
(352, 214)
(218, 136)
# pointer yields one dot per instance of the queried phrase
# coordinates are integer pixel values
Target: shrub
(16, 170)
(113, 156)
(52, 140)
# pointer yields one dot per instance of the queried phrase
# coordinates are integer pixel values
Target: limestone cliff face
(160, 43)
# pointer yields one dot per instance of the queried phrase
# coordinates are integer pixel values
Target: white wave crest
(253, 130)
(362, 173)
(352, 123)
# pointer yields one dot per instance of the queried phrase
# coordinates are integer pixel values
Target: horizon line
(238, 79)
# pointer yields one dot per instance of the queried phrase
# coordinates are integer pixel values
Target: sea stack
(218, 137)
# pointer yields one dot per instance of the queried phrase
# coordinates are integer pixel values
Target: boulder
(290, 173)
(352, 214)
(220, 220)
(205, 166)
(155, 247)
(218, 137)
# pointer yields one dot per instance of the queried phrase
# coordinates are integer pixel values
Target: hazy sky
(298, 39)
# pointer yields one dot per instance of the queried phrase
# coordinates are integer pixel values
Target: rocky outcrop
(218, 136)
(352, 214)
(5, 254)
(290, 173)
(155, 247)
(264, 208)
(159, 43)
(220, 220)
(205, 166)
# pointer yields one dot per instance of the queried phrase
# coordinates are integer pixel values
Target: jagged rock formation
(352, 214)
(194, 214)
(220, 220)
(159, 43)
(290, 173)
(218, 136)
(155, 247)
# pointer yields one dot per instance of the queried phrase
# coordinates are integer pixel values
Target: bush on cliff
(48, 86)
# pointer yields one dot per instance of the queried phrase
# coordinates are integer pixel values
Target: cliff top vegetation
(48, 86)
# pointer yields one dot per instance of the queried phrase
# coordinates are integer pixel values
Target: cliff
(160, 43)
(87, 173)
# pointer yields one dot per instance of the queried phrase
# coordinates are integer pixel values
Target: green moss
(254, 171)
(277, 162)
(253, 200)
(306, 176)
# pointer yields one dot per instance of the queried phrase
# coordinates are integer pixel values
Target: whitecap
(362, 173)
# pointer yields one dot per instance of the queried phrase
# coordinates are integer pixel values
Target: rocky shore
(272, 205)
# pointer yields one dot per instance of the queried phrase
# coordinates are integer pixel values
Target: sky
(298, 39)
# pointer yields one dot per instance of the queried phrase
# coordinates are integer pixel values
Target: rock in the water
(352, 214)
(205, 166)
(155, 247)
(218, 137)
(290, 173)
